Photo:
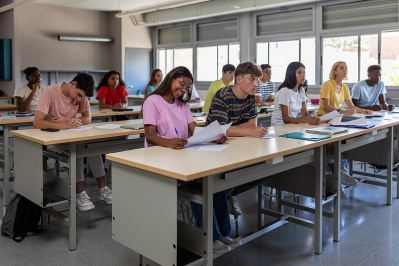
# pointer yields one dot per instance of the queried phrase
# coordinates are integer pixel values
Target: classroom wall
(133, 37)
(36, 30)
(7, 31)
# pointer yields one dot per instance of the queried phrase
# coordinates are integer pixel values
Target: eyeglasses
(183, 85)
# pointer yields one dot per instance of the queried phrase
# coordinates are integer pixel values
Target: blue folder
(305, 136)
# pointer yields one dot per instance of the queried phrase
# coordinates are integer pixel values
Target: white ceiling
(109, 5)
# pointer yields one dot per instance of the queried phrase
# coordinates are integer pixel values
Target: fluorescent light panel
(84, 38)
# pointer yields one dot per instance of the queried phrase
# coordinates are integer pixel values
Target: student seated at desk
(226, 80)
(112, 91)
(265, 89)
(290, 99)
(236, 105)
(370, 93)
(155, 80)
(28, 95)
(334, 93)
(168, 122)
(58, 108)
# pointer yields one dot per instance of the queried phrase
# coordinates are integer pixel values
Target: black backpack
(21, 219)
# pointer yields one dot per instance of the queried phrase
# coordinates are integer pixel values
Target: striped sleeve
(218, 111)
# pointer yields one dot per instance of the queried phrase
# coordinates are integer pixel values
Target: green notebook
(305, 136)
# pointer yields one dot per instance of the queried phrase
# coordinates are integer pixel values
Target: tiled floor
(369, 237)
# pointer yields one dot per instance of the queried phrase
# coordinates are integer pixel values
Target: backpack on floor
(21, 219)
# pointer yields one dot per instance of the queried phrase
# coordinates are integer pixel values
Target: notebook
(305, 136)
(24, 114)
(122, 109)
(133, 126)
(329, 131)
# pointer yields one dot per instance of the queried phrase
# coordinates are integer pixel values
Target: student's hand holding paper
(223, 139)
(176, 143)
(258, 132)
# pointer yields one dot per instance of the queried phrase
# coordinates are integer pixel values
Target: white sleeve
(283, 97)
(303, 95)
(194, 93)
(19, 92)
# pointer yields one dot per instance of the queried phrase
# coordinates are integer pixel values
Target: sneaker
(219, 247)
(233, 208)
(347, 180)
(106, 194)
(83, 202)
(232, 242)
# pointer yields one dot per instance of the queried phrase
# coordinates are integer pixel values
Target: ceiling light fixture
(73, 38)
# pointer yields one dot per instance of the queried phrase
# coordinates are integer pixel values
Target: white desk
(151, 178)
(31, 146)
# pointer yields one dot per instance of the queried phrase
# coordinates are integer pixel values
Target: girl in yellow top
(333, 93)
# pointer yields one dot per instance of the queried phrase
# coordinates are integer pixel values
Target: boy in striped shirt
(265, 88)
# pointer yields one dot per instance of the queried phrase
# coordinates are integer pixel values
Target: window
(280, 54)
(262, 53)
(211, 59)
(174, 35)
(170, 58)
(308, 58)
(341, 49)
(368, 53)
(360, 14)
(389, 58)
(219, 30)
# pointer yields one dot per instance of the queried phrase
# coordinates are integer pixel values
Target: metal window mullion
(379, 48)
(359, 52)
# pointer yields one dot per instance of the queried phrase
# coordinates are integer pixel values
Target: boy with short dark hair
(236, 104)
(226, 80)
(58, 108)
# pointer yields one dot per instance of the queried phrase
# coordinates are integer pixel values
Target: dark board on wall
(5, 59)
(137, 69)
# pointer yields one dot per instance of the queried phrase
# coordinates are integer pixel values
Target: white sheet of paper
(329, 116)
(81, 128)
(207, 134)
(361, 122)
(271, 133)
(108, 126)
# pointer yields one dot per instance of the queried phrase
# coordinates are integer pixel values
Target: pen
(177, 133)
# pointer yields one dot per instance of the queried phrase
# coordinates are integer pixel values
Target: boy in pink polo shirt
(58, 108)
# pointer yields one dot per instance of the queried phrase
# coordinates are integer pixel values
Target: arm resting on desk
(247, 129)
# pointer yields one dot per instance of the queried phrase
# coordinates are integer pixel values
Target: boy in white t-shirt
(28, 95)
(290, 99)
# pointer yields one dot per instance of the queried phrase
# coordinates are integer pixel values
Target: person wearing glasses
(265, 89)
(168, 122)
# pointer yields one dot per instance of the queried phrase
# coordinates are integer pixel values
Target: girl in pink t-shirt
(167, 117)
(168, 122)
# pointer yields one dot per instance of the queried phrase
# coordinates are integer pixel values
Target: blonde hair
(333, 68)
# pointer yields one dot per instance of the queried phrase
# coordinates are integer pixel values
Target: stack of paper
(361, 122)
(329, 131)
(330, 116)
(207, 134)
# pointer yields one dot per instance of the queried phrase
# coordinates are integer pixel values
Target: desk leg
(6, 170)
(207, 218)
(337, 199)
(72, 199)
(389, 165)
(318, 198)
